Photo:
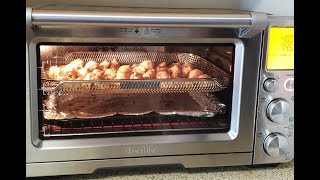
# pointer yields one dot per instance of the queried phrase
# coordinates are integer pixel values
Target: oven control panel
(274, 135)
(275, 118)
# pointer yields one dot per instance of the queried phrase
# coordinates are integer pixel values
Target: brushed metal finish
(249, 24)
(28, 17)
(275, 145)
(279, 111)
(29, 146)
(273, 7)
(134, 32)
(264, 126)
(270, 85)
(87, 167)
(225, 4)
(258, 24)
(58, 17)
(238, 139)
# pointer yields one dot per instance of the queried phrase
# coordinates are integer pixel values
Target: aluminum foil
(96, 106)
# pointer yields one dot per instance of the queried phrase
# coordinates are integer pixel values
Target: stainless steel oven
(119, 86)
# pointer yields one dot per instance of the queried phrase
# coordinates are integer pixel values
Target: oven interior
(115, 90)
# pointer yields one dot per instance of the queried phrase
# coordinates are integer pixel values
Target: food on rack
(90, 76)
(142, 67)
(186, 68)
(98, 72)
(108, 70)
(195, 73)
(162, 66)
(72, 73)
(175, 70)
(62, 68)
(82, 73)
(104, 65)
(92, 65)
(54, 72)
(148, 64)
(135, 76)
(124, 72)
(134, 65)
(163, 75)
(78, 63)
(162, 69)
(63, 77)
(110, 74)
(72, 68)
(139, 70)
(150, 74)
(115, 64)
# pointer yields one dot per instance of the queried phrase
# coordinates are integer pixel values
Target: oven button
(289, 84)
(279, 111)
(270, 85)
(275, 145)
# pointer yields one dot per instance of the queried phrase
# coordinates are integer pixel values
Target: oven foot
(263, 165)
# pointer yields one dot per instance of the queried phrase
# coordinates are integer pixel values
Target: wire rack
(219, 80)
(130, 124)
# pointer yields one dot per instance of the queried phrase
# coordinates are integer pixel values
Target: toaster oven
(117, 87)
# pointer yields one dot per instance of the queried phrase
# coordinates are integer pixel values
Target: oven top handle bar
(249, 23)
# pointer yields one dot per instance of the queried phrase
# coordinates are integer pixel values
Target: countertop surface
(282, 171)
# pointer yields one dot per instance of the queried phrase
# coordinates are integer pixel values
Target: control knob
(275, 145)
(279, 111)
(270, 85)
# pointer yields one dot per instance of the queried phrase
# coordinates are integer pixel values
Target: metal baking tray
(219, 80)
(82, 106)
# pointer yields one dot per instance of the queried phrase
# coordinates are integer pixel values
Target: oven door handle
(247, 22)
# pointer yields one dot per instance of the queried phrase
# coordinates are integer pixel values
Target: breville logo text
(140, 150)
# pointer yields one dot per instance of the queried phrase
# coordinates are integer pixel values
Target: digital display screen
(280, 55)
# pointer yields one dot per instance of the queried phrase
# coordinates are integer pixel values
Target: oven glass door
(101, 98)
(123, 90)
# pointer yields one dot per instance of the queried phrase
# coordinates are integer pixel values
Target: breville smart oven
(115, 86)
